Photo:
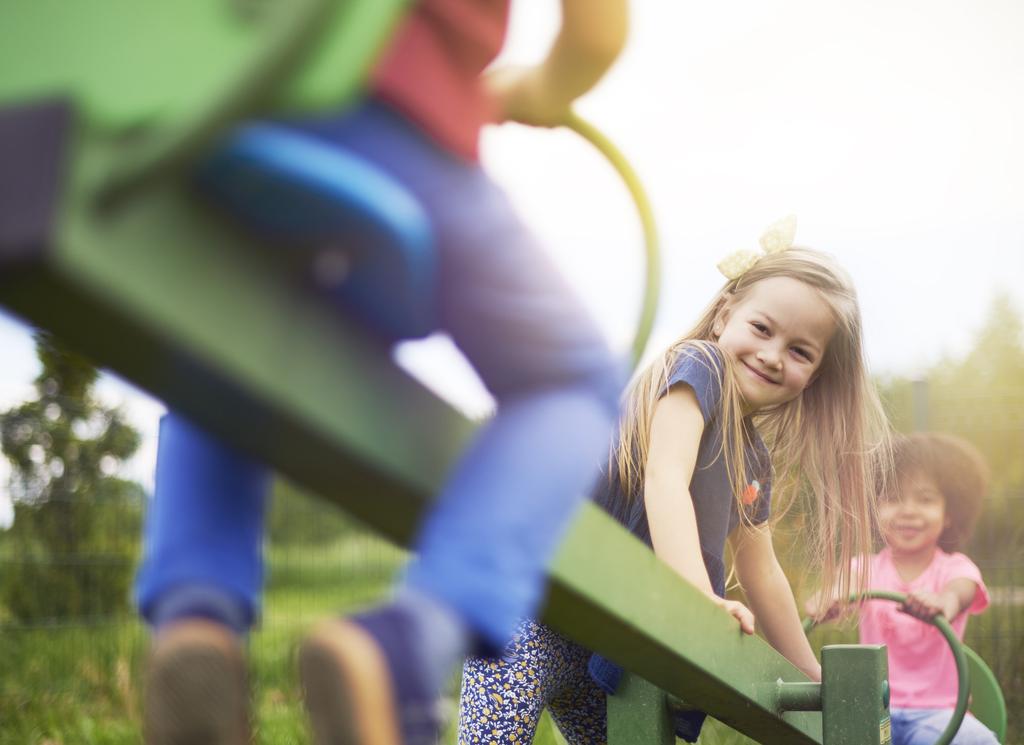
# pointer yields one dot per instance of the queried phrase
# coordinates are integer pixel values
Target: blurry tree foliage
(980, 397)
(71, 550)
(298, 518)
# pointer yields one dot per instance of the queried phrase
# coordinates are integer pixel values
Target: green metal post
(638, 714)
(855, 695)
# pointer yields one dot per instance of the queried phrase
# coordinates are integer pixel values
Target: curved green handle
(652, 278)
(962, 671)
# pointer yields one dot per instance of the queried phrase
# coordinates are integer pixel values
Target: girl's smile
(758, 375)
(907, 532)
(913, 520)
(778, 333)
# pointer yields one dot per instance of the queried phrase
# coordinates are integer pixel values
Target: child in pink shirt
(939, 482)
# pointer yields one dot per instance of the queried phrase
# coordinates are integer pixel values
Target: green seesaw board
(129, 63)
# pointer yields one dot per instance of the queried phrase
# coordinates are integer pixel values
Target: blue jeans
(483, 549)
(923, 727)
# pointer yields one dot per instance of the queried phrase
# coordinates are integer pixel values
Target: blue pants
(923, 727)
(484, 547)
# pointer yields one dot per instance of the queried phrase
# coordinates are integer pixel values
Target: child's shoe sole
(347, 687)
(196, 688)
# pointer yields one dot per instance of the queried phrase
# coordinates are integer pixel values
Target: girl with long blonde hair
(766, 398)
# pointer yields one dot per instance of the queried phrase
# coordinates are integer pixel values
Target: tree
(76, 524)
(980, 398)
(298, 518)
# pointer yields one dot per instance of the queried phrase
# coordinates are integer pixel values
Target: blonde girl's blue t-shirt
(710, 488)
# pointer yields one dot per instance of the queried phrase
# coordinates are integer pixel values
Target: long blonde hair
(832, 440)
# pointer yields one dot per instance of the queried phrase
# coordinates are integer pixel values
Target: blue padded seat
(368, 241)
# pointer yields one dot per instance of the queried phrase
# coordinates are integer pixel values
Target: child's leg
(508, 501)
(582, 714)
(204, 531)
(923, 727)
(502, 698)
(199, 587)
(973, 732)
(500, 702)
(484, 548)
(581, 708)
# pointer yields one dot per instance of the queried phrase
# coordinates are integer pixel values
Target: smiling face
(913, 520)
(778, 333)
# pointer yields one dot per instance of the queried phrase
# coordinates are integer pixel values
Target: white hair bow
(778, 237)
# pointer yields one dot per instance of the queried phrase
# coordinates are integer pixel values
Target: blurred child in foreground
(482, 550)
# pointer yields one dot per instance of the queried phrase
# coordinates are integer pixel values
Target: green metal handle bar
(282, 53)
(652, 279)
(962, 673)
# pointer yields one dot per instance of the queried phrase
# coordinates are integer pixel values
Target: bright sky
(890, 129)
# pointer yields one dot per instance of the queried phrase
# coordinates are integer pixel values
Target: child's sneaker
(364, 682)
(196, 687)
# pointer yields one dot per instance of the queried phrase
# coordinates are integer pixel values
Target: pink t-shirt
(922, 672)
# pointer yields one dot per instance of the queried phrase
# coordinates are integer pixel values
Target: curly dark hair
(957, 468)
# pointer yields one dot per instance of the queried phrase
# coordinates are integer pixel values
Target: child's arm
(592, 35)
(813, 606)
(771, 597)
(675, 438)
(956, 596)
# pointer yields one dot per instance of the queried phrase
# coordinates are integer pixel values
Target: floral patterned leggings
(502, 699)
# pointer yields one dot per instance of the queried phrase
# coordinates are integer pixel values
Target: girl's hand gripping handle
(955, 596)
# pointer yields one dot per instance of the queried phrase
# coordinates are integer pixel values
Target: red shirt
(431, 70)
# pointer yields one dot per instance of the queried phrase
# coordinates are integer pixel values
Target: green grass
(65, 685)
(68, 685)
